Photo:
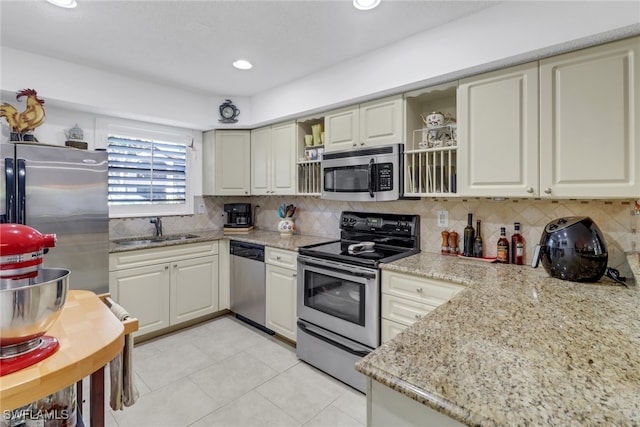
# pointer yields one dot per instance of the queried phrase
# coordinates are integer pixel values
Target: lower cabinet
(166, 286)
(407, 298)
(281, 284)
(387, 407)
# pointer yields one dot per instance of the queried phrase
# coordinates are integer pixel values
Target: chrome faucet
(158, 223)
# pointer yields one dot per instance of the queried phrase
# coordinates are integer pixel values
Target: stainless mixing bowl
(27, 311)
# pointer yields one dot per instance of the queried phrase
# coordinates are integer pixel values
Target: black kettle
(573, 248)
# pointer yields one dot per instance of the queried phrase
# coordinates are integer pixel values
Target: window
(146, 172)
(149, 169)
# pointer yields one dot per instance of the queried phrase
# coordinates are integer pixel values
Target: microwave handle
(369, 176)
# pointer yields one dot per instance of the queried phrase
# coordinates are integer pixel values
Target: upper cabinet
(273, 159)
(563, 128)
(498, 133)
(589, 122)
(430, 154)
(374, 123)
(226, 162)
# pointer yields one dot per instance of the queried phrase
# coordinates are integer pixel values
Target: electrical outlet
(443, 219)
(201, 208)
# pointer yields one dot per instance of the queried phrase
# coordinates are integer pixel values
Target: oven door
(341, 298)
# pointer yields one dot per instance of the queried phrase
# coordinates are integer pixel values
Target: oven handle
(341, 345)
(351, 270)
(369, 176)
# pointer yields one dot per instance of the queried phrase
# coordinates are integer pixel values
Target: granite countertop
(517, 347)
(261, 237)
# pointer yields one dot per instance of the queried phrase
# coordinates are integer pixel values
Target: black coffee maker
(238, 215)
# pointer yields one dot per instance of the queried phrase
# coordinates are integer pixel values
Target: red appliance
(21, 250)
(21, 256)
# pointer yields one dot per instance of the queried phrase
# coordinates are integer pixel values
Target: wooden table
(90, 336)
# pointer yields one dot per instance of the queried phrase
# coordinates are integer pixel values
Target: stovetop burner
(382, 238)
(22, 355)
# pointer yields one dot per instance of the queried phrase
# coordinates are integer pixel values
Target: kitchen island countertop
(517, 347)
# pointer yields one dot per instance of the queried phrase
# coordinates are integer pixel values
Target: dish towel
(123, 389)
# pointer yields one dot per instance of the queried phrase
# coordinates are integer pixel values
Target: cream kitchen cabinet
(226, 163)
(498, 133)
(166, 286)
(371, 124)
(273, 160)
(565, 127)
(407, 298)
(387, 407)
(281, 284)
(589, 122)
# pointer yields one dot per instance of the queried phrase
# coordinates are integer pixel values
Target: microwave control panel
(384, 174)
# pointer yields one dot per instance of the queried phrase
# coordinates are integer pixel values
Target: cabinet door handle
(278, 257)
(354, 144)
(294, 275)
(419, 290)
(547, 191)
(175, 265)
(417, 316)
(529, 190)
(166, 267)
(362, 143)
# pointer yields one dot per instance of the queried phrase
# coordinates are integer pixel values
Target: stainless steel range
(339, 290)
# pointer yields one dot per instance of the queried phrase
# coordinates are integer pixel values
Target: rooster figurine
(30, 118)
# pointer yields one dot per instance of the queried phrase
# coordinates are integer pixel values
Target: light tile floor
(226, 373)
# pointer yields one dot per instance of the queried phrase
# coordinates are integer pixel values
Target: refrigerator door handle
(21, 193)
(10, 185)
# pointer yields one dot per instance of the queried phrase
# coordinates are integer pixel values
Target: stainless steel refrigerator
(63, 191)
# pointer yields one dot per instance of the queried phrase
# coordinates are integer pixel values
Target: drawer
(281, 257)
(403, 311)
(389, 329)
(420, 289)
(142, 257)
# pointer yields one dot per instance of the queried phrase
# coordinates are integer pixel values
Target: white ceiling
(191, 44)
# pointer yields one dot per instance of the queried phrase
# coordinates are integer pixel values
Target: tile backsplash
(319, 217)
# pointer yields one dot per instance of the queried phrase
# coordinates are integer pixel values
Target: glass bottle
(477, 243)
(503, 247)
(468, 237)
(517, 246)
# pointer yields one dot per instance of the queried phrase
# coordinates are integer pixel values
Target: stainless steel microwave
(371, 174)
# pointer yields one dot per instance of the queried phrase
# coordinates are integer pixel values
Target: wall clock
(228, 112)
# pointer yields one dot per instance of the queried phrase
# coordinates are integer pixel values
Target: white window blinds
(143, 172)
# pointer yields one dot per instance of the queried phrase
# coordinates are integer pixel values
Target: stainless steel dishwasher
(248, 290)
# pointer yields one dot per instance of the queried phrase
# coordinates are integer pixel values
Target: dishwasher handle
(247, 250)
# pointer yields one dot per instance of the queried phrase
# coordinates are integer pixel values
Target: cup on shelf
(320, 153)
(308, 140)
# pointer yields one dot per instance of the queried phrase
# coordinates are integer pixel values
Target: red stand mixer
(31, 297)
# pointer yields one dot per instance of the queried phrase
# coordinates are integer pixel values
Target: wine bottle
(503, 247)
(517, 246)
(477, 243)
(468, 237)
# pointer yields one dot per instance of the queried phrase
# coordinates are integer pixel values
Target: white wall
(509, 32)
(82, 88)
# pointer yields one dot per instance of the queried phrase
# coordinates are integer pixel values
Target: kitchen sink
(141, 241)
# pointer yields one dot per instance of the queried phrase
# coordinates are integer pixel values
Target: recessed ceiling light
(365, 4)
(242, 64)
(69, 4)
